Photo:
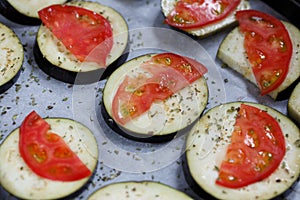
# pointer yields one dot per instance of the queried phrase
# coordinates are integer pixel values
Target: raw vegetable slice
(268, 47)
(255, 151)
(210, 139)
(201, 18)
(46, 153)
(138, 190)
(24, 11)
(294, 104)
(56, 60)
(232, 53)
(86, 34)
(155, 95)
(11, 57)
(169, 74)
(19, 180)
(198, 13)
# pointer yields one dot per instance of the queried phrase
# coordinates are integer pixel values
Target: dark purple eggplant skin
(75, 77)
(136, 136)
(10, 83)
(63, 74)
(10, 13)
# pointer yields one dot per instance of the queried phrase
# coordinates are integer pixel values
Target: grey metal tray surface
(121, 159)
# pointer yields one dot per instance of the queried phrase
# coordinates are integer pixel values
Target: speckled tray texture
(121, 159)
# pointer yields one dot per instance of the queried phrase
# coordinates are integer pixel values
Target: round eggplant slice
(18, 179)
(55, 60)
(11, 57)
(232, 53)
(24, 11)
(206, 147)
(138, 190)
(294, 104)
(165, 118)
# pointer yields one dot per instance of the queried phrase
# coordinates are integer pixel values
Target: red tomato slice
(86, 34)
(170, 73)
(257, 147)
(268, 47)
(46, 153)
(189, 14)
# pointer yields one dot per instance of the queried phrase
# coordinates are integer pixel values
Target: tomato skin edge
(198, 25)
(251, 170)
(40, 160)
(277, 77)
(94, 46)
(159, 60)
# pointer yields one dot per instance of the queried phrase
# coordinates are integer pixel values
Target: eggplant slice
(18, 179)
(11, 58)
(294, 104)
(24, 11)
(144, 190)
(56, 61)
(168, 5)
(165, 118)
(232, 53)
(206, 146)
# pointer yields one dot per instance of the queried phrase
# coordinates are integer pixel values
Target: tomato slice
(268, 47)
(170, 73)
(257, 147)
(86, 34)
(189, 14)
(46, 153)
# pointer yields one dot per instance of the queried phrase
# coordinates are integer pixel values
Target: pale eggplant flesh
(56, 61)
(206, 147)
(165, 118)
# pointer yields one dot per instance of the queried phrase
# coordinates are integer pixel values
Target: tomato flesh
(46, 153)
(256, 149)
(86, 34)
(189, 14)
(268, 47)
(170, 73)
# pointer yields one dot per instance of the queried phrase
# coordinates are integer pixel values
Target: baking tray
(121, 159)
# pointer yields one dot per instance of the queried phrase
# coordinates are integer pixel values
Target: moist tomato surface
(268, 47)
(256, 149)
(46, 153)
(168, 74)
(188, 14)
(86, 34)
